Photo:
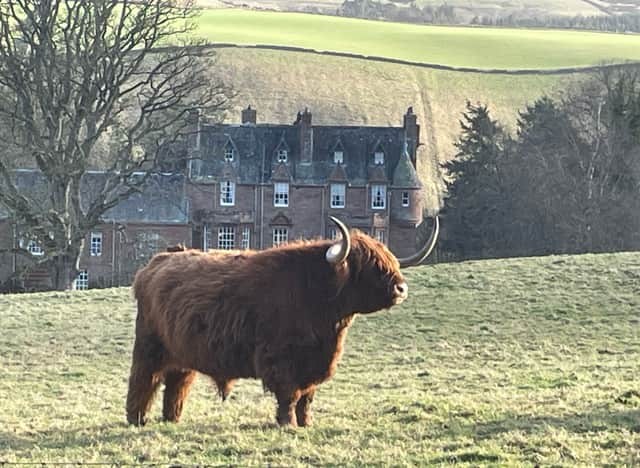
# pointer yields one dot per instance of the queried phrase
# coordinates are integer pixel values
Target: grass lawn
(454, 46)
(507, 362)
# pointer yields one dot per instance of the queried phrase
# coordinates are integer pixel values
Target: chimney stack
(306, 136)
(411, 134)
(249, 116)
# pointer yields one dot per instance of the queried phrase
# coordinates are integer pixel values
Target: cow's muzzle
(400, 292)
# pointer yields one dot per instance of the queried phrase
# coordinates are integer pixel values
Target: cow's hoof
(287, 422)
(305, 421)
(136, 420)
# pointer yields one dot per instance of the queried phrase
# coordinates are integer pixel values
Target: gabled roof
(281, 173)
(282, 144)
(338, 174)
(162, 199)
(377, 174)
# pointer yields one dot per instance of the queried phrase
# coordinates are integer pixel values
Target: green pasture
(484, 48)
(521, 362)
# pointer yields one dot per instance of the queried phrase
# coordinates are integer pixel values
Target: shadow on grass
(466, 457)
(86, 436)
(596, 421)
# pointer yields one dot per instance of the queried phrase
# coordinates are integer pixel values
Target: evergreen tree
(477, 202)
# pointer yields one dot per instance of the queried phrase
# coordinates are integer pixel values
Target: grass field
(484, 48)
(510, 362)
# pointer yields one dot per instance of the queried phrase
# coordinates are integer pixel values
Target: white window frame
(379, 235)
(81, 283)
(280, 236)
(405, 199)
(245, 242)
(95, 244)
(281, 194)
(283, 155)
(378, 197)
(334, 233)
(338, 195)
(229, 153)
(226, 237)
(338, 157)
(34, 248)
(227, 193)
(378, 158)
(206, 237)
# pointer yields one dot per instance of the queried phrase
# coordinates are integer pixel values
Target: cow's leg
(303, 408)
(177, 385)
(224, 387)
(287, 400)
(145, 377)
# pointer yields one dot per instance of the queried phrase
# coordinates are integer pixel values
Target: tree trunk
(63, 269)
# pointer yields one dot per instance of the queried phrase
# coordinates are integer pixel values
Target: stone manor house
(251, 185)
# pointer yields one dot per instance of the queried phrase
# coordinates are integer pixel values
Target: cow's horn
(339, 251)
(424, 252)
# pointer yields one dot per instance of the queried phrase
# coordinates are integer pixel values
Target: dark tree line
(567, 182)
(447, 14)
(626, 22)
(372, 9)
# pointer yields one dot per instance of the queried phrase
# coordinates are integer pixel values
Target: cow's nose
(401, 289)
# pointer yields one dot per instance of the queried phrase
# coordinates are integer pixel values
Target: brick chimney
(249, 116)
(411, 133)
(306, 136)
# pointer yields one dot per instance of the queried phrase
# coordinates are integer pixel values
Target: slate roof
(257, 145)
(405, 174)
(162, 200)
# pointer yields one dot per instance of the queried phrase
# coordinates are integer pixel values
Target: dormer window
(229, 153)
(283, 155)
(34, 248)
(378, 158)
(338, 157)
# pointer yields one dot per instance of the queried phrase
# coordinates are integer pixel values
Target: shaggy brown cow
(280, 315)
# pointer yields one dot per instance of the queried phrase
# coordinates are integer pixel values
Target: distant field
(454, 46)
(522, 362)
(494, 8)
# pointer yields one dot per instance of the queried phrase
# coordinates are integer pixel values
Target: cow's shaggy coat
(280, 315)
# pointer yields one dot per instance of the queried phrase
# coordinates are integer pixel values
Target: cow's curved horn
(339, 251)
(424, 252)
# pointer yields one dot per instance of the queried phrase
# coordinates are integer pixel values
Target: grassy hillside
(462, 47)
(358, 92)
(511, 362)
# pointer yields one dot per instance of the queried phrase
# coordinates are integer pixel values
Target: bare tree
(605, 111)
(78, 78)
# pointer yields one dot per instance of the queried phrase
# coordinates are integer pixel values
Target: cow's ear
(342, 275)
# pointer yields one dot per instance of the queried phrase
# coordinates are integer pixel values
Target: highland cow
(280, 315)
